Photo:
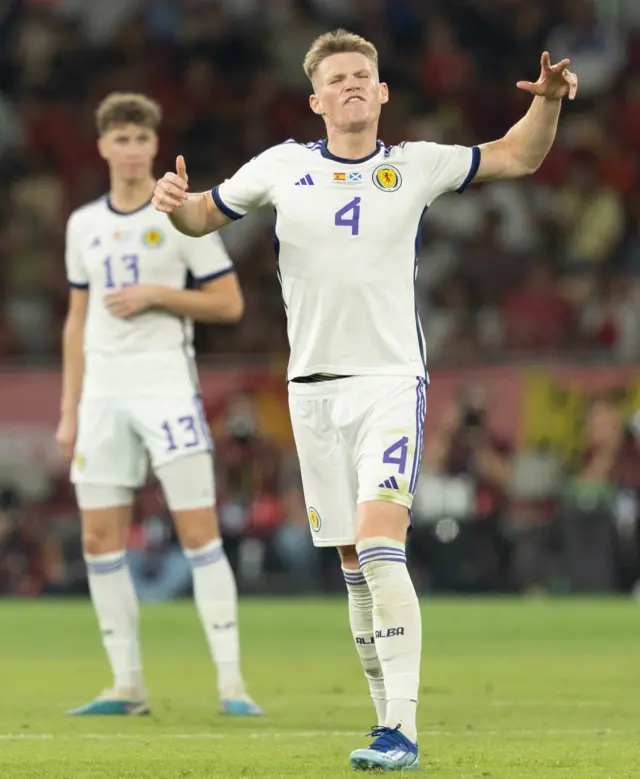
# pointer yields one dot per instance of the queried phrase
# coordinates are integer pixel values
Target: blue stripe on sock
(356, 579)
(376, 549)
(384, 555)
(402, 561)
(100, 569)
(206, 558)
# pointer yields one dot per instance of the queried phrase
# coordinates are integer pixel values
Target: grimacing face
(348, 92)
(130, 150)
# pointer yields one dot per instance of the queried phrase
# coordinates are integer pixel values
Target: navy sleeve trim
(475, 164)
(214, 276)
(223, 206)
(75, 285)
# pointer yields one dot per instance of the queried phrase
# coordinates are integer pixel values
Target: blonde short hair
(121, 108)
(337, 42)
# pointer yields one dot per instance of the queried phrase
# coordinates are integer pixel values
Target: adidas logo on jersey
(389, 484)
(305, 181)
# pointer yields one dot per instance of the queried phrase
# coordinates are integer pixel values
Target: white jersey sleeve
(76, 271)
(206, 258)
(247, 189)
(446, 168)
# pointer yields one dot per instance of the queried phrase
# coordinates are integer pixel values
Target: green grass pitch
(510, 690)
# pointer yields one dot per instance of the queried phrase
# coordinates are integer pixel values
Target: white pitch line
(551, 704)
(292, 734)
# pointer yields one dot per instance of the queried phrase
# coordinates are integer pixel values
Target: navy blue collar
(327, 154)
(112, 208)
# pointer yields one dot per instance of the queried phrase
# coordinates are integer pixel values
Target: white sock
(116, 606)
(398, 627)
(361, 621)
(214, 589)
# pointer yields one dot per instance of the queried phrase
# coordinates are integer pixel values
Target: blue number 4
(397, 459)
(353, 221)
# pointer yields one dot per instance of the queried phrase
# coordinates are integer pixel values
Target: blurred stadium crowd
(545, 268)
(547, 265)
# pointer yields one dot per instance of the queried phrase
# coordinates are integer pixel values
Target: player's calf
(189, 491)
(361, 621)
(106, 513)
(396, 610)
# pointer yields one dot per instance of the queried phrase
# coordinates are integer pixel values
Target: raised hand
(172, 190)
(555, 82)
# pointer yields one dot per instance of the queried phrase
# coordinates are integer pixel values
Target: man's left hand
(555, 82)
(130, 301)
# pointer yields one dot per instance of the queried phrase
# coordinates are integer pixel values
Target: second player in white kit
(140, 396)
(130, 398)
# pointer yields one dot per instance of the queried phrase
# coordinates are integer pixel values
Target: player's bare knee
(106, 514)
(384, 519)
(103, 534)
(348, 557)
(196, 527)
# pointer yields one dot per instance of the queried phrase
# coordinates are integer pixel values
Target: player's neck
(128, 196)
(353, 146)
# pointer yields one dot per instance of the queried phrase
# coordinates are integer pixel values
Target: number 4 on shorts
(399, 459)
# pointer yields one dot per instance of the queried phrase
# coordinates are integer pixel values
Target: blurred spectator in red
(247, 476)
(610, 320)
(447, 70)
(536, 317)
(464, 444)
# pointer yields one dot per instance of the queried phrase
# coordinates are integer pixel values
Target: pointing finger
(545, 60)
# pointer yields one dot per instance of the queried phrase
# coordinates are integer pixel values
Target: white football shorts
(118, 435)
(358, 439)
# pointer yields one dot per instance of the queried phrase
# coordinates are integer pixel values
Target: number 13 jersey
(107, 250)
(347, 237)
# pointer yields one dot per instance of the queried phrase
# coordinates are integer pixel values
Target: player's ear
(154, 144)
(102, 148)
(384, 93)
(316, 105)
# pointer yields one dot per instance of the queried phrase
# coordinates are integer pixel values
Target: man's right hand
(172, 190)
(66, 434)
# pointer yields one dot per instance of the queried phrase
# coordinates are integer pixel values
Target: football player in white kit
(130, 392)
(349, 211)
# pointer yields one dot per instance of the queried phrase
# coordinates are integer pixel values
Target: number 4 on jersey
(353, 221)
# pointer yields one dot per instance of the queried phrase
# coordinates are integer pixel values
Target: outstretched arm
(524, 148)
(193, 214)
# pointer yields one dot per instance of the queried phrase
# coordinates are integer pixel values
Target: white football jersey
(107, 250)
(347, 240)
